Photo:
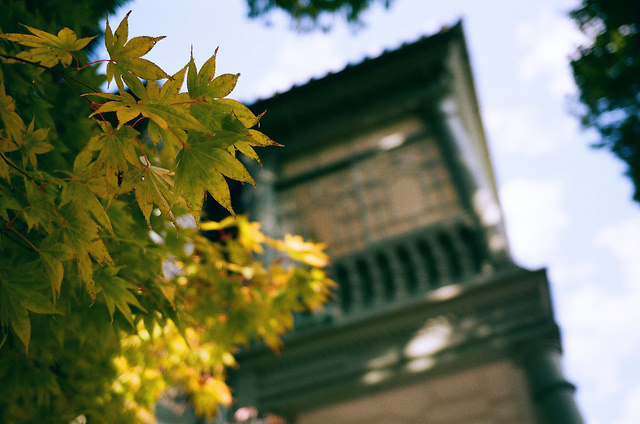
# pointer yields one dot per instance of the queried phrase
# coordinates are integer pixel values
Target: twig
(9, 226)
(20, 170)
(28, 62)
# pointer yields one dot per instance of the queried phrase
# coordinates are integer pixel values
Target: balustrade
(400, 268)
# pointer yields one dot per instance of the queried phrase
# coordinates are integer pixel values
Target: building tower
(386, 162)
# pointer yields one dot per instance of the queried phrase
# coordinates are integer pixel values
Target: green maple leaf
(167, 108)
(49, 49)
(174, 134)
(33, 142)
(80, 197)
(17, 315)
(52, 254)
(81, 234)
(126, 55)
(260, 139)
(253, 139)
(41, 211)
(8, 202)
(18, 297)
(30, 295)
(116, 155)
(237, 109)
(200, 167)
(116, 292)
(154, 186)
(225, 118)
(12, 121)
(205, 84)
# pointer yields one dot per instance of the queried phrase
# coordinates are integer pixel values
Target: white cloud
(622, 239)
(601, 330)
(535, 218)
(572, 273)
(548, 40)
(630, 407)
(522, 131)
(600, 318)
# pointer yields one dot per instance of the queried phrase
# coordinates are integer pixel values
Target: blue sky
(567, 206)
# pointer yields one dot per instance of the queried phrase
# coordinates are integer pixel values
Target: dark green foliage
(607, 73)
(51, 15)
(310, 10)
(50, 384)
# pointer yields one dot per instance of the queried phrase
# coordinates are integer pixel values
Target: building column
(552, 394)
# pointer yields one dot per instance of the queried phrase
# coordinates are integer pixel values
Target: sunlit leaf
(48, 49)
(201, 166)
(154, 186)
(126, 55)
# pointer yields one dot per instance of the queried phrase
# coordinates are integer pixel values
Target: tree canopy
(310, 10)
(607, 74)
(110, 292)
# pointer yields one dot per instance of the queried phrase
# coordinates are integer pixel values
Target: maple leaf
(209, 92)
(126, 56)
(7, 202)
(200, 167)
(155, 186)
(166, 108)
(237, 109)
(12, 121)
(17, 299)
(52, 254)
(116, 155)
(253, 138)
(173, 135)
(80, 197)
(17, 315)
(34, 143)
(41, 211)
(48, 49)
(116, 293)
(81, 234)
(249, 235)
(205, 84)
(303, 251)
(259, 139)
(207, 396)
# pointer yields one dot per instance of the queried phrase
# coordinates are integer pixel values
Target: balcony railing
(399, 269)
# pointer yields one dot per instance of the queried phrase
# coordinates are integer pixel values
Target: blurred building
(387, 163)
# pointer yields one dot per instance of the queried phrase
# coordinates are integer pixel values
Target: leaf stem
(9, 226)
(184, 145)
(146, 159)
(71, 82)
(42, 185)
(136, 121)
(17, 168)
(93, 63)
(79, 81)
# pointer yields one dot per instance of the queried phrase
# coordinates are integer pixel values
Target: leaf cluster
(309, 12)
(607, 74)
(109, 294)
